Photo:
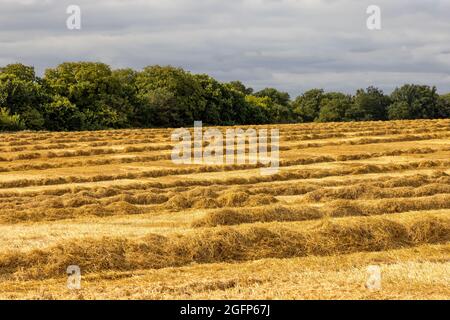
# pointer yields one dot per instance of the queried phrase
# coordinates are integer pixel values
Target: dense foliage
(90, 96)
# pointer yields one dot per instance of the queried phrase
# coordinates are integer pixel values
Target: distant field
(348, 195)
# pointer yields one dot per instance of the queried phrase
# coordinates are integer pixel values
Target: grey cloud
(289, 44)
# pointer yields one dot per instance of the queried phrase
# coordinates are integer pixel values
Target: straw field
(139, 226)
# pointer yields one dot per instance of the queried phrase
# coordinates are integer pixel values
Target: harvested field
(139, 226)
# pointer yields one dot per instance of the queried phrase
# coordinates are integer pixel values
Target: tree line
(93, 96)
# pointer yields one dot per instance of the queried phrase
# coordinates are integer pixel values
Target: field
(347, 195)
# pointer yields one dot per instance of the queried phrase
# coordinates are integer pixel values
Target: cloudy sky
(293, 45)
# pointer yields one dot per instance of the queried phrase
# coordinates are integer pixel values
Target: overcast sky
(293, 45)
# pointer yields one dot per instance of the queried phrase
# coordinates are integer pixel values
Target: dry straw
(226, 244)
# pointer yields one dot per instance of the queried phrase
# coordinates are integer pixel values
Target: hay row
(72, 144)
(339, 208)
(283, 163)
(283, 176)
(66, 193)
(225, 244)
(84, 153)
(223, 196)
(83, 163)
(23, 139)
(305, 127)
(72, 205)
(112, 138)
(369, 192)
(365, 141)
(292, 136)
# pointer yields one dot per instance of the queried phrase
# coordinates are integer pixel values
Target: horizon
(292, 96)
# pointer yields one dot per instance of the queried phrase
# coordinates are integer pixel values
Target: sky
(292, 45)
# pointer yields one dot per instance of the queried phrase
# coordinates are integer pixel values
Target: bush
(62, 115)
(10, 122)
(33, 119)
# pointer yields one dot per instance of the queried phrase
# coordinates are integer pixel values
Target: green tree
(93, 90)
(62, 115)
(159, 108)
(217, 99)
(21, 93)
(414, 102)
(279, 108)
(259, 108)
(238, 110)
(21, 71)
(240, 87)
(277, 97)
(399, 110)
(127, 103)
(10, 122)
(306, 107)
(224, 104)
(370, 104)
(33, 119)
(444, 106)
(334, 107)
(88, 95)
(180, 87)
